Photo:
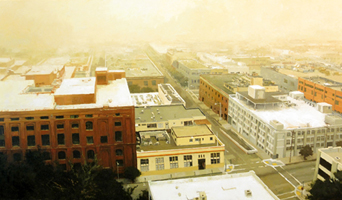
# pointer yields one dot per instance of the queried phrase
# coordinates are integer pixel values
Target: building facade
(328, 162)
(319, 89)
(281, 125)
(77, 122)
(285, 82)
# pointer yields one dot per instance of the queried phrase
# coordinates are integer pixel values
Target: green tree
(146, 89)
(306, 151)
(131, 173)
(330, 189)
(134, 88)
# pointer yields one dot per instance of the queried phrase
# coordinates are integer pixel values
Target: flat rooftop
(166, 112)
(149, 142)
(14, 96)
(325, 82)
(193, 64)
(228, 186)
(169, 90)
(44, 69)
(77, 86)
(269, 99)
(334, 152)
(136, 68)
(299, 115)
(220, 80)
(188, 131)
(146, 99)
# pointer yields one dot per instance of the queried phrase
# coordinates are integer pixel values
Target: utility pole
(292, 136)
(220, 110)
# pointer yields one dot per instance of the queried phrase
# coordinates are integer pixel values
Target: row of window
(31, 139)
(57, 117)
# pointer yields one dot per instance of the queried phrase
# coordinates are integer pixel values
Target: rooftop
(325, 82)
(136, 68)
(333, 152)
(146, 99)
(166, 112)
(161, 140)
(77, 86)
(188, 131)
(228, 186)
(219, 81)
(291, 113)
(5, 60)
(193, 64)
(44, 69)
(269, 96)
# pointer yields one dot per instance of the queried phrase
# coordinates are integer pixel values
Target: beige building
(184, 149)
(164, 117)
(328, 162)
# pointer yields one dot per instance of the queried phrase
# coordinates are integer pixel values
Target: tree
(306, 151)
(134, 88)
(146, 89)
(131, 173)
(330, 189)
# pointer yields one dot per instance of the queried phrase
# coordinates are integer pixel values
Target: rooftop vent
(248, 193)
(337, 158)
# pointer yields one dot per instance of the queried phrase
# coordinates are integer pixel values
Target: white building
(275, 121)
(230, 186)
(329, 161)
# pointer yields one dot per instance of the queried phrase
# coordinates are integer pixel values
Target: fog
(44, 24)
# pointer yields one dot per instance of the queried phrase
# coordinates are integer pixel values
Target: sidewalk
(297, 159)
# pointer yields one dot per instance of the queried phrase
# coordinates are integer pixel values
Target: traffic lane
(304, 172)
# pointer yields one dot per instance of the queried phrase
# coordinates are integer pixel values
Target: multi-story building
(186, 148)
(74, 122)
(156, 118)
(214, 90)
(328, 162)
(278, 123)
(319, 89)
(286, 83)
(228, 186)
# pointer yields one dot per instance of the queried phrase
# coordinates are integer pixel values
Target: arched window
(119, 152)
(61, 155)
(89, 125)
(90, 154)
(76, 154)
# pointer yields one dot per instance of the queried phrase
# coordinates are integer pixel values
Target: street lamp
(220, 109)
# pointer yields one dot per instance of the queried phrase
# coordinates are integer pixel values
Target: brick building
(77, 121)
(319, 89)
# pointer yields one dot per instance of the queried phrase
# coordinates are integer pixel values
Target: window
(61, 155)
(74, 116)
(144, 165)
(45, 140)
(173, 162)
(160, 163)
(15, 128)
(187, 160)
(60, 117)
(215, 158)
(323, 174)
(119, 163)
(17, 157)
(117, 123)
(190, 140)
(76, 154)
(44, 127)
(146, 83)
(89, 125)
(89, 116)
(46, 156)
(90, 154)
(211, 138)
(74, 125)
(60, 139)
(197, 139)
(31, 140)
(44, 117)
(60, 126)
(2, 119)
(104, 139)
(154, 82)
(29, 118)
(30, 128)
(325, 164)
(117, 114)
(151, 125)
(118, 136)
(2, 136)
(75, 138)
(15, 141)
(90, 140)
(119, 152)
(15, 119)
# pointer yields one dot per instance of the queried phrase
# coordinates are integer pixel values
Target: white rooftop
(229, 186)
(4, 60)
(44, 69)
(77, 86)
(256, 87)
(101, 69)
(300, 115)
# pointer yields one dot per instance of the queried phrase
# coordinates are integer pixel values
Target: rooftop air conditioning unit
(248, 193)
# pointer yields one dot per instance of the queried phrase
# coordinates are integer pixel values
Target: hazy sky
(42, 23)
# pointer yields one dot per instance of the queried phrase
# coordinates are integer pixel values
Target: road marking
(292, 176)
(285, 193)
(284, 177)
(289, 197)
